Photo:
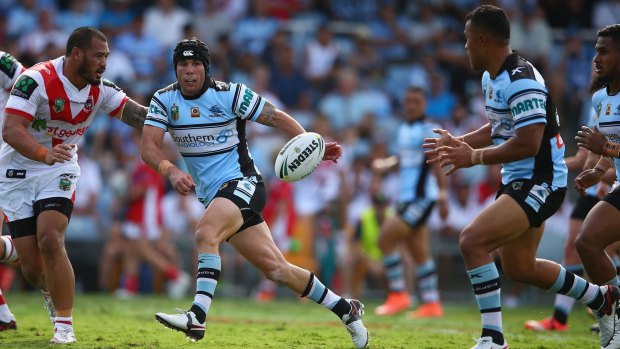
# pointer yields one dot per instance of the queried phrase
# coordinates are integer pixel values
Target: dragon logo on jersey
(39, 124)
(216, 112)
(59, 105)
(64, 184)
(24, 87)
(88, 106)
(174, 112)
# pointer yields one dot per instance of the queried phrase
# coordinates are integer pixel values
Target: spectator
(252, 33)
(165, 21)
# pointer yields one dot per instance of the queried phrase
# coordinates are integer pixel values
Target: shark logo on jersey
(174, 112)
(59, 105)
(617, 112)
(498, 96)
(216, 112)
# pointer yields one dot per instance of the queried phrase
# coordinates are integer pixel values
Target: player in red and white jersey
(10, 68)
(50, 107)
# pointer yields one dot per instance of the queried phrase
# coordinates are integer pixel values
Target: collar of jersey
(208, 83)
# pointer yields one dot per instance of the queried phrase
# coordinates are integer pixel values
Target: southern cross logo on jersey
(59, 105)
(174, 112)
(194, 112)
(216, 112)
(24, 87)
(38, 124)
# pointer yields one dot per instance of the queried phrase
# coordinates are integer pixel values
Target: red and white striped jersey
(59, 113)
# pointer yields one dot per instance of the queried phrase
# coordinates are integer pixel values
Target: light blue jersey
(592, 123)
(415, 180)
(607, 110)
(209, 131)
(517, 97)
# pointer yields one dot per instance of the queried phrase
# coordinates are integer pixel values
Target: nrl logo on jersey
(59, 105)
(174, 112)
(216, 112)
(598, 109)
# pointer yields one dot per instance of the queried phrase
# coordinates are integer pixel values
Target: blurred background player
(50, 107)
(419, 190)
(206, 119)
(10, 69)
(364, 256)
(146, 238)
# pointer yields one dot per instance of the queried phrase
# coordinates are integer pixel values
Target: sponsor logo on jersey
(527, 105)
(58, 132)
(303, 155)
(216, 112)
(516, 71)
(194, 112)
(8, 65)
(195, 141)
(608, 109)
(174, 112)
(24, 87)
(517, 185)
(11, 173)
(59, 105)
(39, 124)
(248, 95)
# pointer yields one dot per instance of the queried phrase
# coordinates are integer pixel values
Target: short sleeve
(527, 100)
(25, 95)
(115, 98)
(158, 113)
(245, 103)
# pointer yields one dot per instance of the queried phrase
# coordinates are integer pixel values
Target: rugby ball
(300, 156)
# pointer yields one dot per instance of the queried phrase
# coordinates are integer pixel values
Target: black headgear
(191, 49)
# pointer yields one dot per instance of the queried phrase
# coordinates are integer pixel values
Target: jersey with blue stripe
(209, 131)
(607, 110)
(517, 97)
(415, 180)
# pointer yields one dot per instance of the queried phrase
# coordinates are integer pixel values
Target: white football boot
(487, 343)
(185, 321)
(353, 322)
(49, 305)
(63, 335)
(607, 319)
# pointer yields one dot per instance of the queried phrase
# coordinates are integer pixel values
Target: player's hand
(454, 157)
(60, 153)
(445, 139)
(181, 181)
(586, 179)
(591, 140)
(333, 151)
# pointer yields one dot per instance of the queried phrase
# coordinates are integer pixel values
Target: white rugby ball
(300, 156)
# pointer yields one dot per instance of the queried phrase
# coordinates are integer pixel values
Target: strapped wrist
(40, 154)
(165, 167)
(476, 157)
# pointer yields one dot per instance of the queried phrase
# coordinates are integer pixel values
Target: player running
(10, 68)
(50, 107)
(523, 136)
(206, 119)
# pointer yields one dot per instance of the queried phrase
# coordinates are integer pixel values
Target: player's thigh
(394, 229)
(520, 253)
(602, 225)
(256, 245)
(500, 222)
(219, 222)
(53, 204)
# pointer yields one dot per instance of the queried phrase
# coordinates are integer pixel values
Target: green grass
(101, 321)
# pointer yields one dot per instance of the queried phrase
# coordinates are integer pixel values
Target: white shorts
(18, 197)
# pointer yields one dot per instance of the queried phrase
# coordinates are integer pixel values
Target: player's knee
(50, 242)
(584, 244)
(467, 242)
(206, 239)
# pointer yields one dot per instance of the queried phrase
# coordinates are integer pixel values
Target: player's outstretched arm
(274, 117)
(153, 156)
(133, 114)
(15, 133)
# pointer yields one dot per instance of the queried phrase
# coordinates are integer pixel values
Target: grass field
(101, 321)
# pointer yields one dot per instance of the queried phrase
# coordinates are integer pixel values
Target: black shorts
(28, 226)
(250, 195)
(415, 212)
(583, 205)
(538, 200)
(613, 197)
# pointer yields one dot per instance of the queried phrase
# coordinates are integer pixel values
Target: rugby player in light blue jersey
(523, 136)
(601, 227)
(206, 119)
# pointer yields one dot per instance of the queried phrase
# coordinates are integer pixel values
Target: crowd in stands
(340, 67)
